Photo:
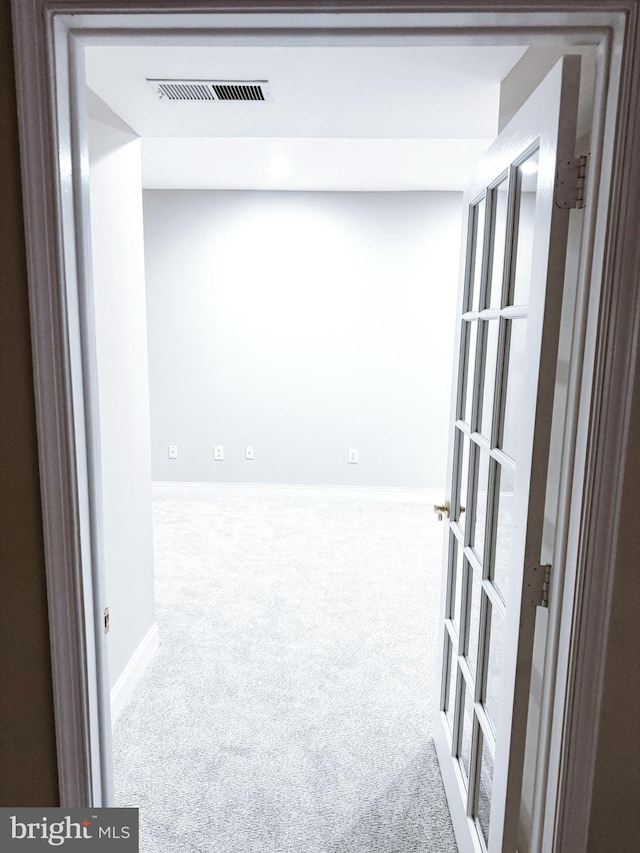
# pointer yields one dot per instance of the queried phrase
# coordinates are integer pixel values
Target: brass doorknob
(442, 509)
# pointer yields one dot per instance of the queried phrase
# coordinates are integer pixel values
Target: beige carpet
(288, 708)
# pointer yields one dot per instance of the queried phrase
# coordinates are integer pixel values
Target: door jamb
(64, 367)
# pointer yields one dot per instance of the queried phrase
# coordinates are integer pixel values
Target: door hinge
(570, 183)
(107, 623)
(545, 586)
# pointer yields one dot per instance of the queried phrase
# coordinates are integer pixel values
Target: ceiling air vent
(212, 90)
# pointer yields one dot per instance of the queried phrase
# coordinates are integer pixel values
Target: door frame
(48, 38)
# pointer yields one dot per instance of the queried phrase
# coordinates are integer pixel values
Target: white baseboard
(123, 688)
(270, 490)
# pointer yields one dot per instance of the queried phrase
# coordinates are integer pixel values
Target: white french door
(508, 322)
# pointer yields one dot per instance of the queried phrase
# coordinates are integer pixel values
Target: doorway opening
(314, 314)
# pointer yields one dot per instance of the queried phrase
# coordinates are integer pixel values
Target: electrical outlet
(352, 458)
(249, 452)
(218, 452)
(173, 451)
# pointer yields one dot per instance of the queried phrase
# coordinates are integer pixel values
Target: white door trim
(601, 421)
(63, 363)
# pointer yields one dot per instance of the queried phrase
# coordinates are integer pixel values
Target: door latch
(442, 509)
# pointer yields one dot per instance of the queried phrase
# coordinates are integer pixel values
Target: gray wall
(302, 324)
(121, 346)
(28, 769)
(615, 816)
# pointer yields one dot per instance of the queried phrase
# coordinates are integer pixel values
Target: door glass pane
(485, 786)
(482, 485)
(451, 691)
(480, 211)
(464, 479)
(456, 588)
(499, 238)
(516, 335)
(471, 330)
(504, 527)
(474, 619)
(494, 666)
(491, 328)
(467, 726)
(524, 239)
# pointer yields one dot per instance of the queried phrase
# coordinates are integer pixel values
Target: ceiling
(341, 117)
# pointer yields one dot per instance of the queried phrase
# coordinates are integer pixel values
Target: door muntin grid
(476, 609)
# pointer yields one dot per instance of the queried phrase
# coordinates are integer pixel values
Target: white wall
(534, 66)
(302, 324)
(118, 278)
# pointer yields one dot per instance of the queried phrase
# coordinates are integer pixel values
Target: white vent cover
(211, 90)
